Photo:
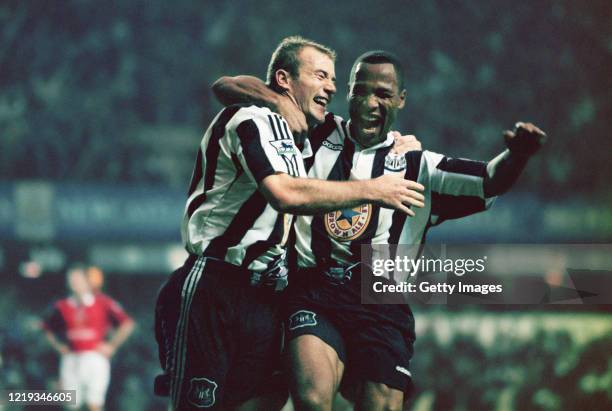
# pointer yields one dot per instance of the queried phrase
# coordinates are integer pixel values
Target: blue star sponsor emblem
(347, 215)
(348, 224)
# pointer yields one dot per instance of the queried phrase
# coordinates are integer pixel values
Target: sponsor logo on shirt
(332, 146)
(81, 334)
(348, 224)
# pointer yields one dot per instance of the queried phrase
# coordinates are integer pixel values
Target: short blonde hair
(285, 57)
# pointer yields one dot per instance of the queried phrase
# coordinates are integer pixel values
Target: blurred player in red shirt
(77, 328)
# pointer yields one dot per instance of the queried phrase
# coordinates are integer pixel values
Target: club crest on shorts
(302, 318)
(348, 224)
(202, 392)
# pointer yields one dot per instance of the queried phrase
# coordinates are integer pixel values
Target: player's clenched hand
(396, 192)
(62, 349)
(525, 140)
(404, 144)
(106, 349)
(288, 108)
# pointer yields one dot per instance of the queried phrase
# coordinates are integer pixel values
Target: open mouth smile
(322, 101)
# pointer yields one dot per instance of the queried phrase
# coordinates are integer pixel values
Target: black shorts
(374, 341)
(219, 338)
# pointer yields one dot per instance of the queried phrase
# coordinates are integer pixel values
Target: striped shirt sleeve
(456, 186)
(264, 146)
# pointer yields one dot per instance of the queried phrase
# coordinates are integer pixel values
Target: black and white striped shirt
(226, 216)
(453, 189)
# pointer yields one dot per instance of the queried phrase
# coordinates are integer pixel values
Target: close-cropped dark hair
(285, 57)
(380, 57)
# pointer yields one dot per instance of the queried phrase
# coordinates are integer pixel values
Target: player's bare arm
(122, 333)
(252, 90)
(503, 171)
(310, 196)
(57, 345)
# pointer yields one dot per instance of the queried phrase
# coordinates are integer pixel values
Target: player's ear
(402, 97)
(283, 79)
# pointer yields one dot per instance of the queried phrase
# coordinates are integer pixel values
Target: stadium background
(103, 103)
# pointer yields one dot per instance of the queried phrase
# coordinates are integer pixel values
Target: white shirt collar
(307, 149)
(87, 300)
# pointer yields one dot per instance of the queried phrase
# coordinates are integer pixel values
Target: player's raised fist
(526, 139)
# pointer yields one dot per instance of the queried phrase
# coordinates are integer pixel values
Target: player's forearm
(310, 196)
(245, 90)
(54, 342)
(122, 334)
(502, 172)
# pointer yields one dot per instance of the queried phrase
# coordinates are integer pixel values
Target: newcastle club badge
(202, 392)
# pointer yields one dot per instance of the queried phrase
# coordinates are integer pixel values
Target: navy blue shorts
(219, 338)
(374, 341)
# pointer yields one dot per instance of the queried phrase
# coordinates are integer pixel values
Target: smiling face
(374, 99)
(314, 85)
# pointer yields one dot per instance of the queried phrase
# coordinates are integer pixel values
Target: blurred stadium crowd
(87, 88)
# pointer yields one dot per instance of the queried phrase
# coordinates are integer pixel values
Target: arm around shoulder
(311, 196)
(245, 89)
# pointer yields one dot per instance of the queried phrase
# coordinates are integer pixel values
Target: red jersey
(85, 325)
